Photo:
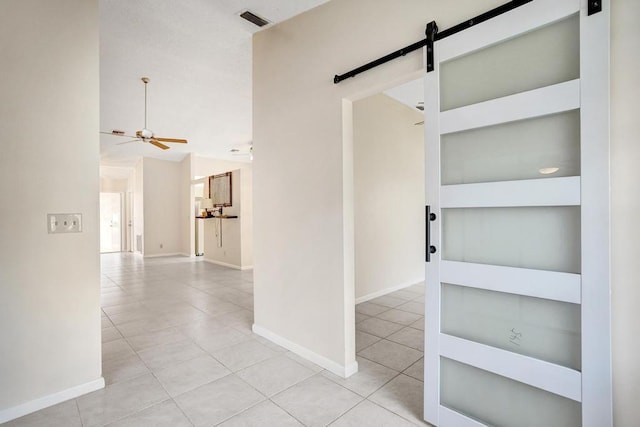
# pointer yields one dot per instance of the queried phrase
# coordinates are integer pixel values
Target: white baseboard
(223, 264)
(329, 365)
(49, 400)
(163, 255)
(384, 292)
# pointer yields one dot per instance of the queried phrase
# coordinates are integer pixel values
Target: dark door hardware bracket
(432, 35)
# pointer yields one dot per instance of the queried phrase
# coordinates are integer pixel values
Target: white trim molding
(164, 255)
(50, 400)
(545, 101)
(385, 291)
(224, 264)
(552, 285)
(527, 192)
(329, 365)
(547, 376)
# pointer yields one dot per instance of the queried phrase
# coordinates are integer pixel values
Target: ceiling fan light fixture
(146, 133)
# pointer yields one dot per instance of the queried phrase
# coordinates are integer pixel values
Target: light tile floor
(178, 350)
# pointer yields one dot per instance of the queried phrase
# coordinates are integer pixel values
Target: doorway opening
(388, 171)
(111, 228)
(197, 191)
(388, 232)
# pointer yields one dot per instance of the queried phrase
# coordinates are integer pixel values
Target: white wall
(231, 251)
(111, 185)
(138, 207)
(389, 196)
(246, 217)
(203, 166)
(303, 247)
(186, 208)
(116, 179)
(163, 209)
(299, 260)
(49, 283)
(625, 158)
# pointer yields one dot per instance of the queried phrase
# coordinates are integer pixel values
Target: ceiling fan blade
(180, 141)
(117, 133)
(157, 144)
(127, 142)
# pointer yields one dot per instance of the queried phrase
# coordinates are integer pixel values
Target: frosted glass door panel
(540, 328)
(540, 238)
(545, 147)
(499, 401)
(540, 58)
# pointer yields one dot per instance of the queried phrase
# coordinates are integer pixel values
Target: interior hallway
(178, 350)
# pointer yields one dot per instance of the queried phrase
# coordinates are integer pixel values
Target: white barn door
(517, 178)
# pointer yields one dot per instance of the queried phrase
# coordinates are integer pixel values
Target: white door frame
(192, 222)
(122, 212)
(128, 221)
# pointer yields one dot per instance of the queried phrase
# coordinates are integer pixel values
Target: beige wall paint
(246, 217)
(114, 179)
(303, 247)
(162, 185)
(389, 195)
(186, 208)
(203, 166)
(301, 292)
(49, 283)
(138, 207)
(230, 253)
(110, 185)
(625, 203)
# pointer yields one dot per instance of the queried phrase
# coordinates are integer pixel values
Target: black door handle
(428, 217)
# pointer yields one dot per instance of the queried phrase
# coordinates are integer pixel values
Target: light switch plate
(64, 223)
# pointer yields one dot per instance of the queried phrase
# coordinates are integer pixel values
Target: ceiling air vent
(253, 18)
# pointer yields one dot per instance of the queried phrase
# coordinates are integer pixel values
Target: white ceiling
(197, 54)
(410, 94)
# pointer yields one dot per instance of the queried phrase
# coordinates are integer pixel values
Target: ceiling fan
(146, 134)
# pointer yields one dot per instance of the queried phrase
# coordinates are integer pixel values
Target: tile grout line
(189, 287)
(172, 398)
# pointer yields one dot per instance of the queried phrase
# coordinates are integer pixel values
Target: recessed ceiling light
(548, 171)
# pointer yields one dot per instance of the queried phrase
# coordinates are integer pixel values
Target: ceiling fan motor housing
(146, 133)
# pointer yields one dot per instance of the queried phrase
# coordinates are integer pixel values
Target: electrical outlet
(64, 223)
